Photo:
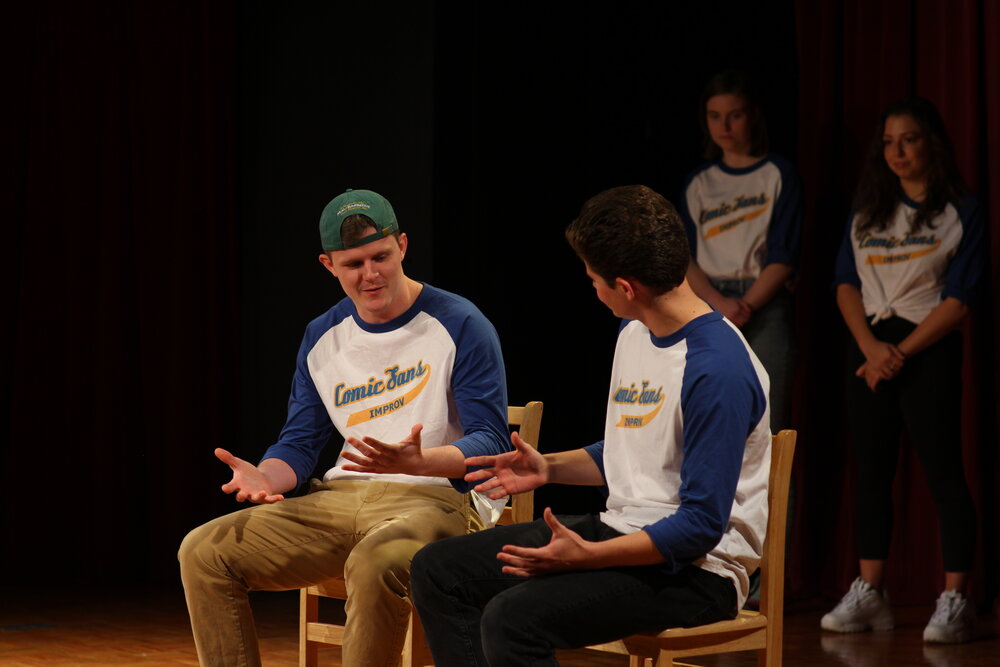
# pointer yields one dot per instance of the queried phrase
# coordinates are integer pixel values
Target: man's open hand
(405, 457)
(518, 471)
(248, 482)
(565, 551)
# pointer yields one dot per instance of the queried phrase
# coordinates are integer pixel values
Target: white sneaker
(863, 608)
(953, 621)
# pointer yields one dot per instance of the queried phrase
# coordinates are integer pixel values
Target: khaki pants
(365, 531)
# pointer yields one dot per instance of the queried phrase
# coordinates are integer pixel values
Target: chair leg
(415, 651)
(308, 613)
(407, 659)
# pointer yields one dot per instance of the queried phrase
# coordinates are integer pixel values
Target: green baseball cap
(355, 202)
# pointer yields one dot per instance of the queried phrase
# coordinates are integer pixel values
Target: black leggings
(926, 398)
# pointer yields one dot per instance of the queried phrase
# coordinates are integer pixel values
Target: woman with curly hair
(906, 274)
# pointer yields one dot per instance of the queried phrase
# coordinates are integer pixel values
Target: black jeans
(926, 398)
(473, 614)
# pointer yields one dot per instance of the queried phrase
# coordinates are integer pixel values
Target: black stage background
(168, 167)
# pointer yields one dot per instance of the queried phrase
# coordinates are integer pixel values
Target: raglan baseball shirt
(740, 220)
(906, 273)
(438, 364)
(687, 446)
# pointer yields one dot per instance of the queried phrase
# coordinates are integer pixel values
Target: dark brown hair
(355, 227)
(632, 232)
(879, 192)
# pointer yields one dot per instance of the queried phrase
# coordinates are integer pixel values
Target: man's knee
(506, 624)
(209, 547)
(422, 559)
(196, 551)
(384, 563)
(433, 562)
(423, 582)
(417, 570)
(496, 613)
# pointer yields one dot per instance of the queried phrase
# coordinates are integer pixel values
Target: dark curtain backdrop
(320, 109)
(120, 291)
(854, 58)
(167, 165)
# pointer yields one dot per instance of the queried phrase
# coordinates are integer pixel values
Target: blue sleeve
(689, 225)
(784, 233)
(479, 386)
(967, 266)
(845, 270)
(596, 452)
(308, 427)
(721, 408)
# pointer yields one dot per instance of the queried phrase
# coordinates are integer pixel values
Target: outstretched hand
(513, 472)
(565, 551)
(407, 456)
(248, 482)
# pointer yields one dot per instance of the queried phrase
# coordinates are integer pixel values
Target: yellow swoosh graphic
(903, 257)
(638, 421)
(361, 416)
(726, 226)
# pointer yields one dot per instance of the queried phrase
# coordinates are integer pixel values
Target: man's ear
(404, 243)
(324, 259)
(627, 287)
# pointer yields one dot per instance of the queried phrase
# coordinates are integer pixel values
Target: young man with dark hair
(396, 361)
(685, 459)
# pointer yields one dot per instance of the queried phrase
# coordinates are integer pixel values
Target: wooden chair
(312, 632)
(759, 631)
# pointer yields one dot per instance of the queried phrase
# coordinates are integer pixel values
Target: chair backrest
(772, 569)
(527, 421)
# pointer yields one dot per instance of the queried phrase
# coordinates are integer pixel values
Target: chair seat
(739, 629)
(746, 632)
(333, 588)
(745, 622)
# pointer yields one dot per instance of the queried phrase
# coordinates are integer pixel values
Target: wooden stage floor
(150, 627)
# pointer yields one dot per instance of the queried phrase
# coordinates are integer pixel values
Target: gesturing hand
(248, 481)
(521, 470)
(565, 551)
(383, 457)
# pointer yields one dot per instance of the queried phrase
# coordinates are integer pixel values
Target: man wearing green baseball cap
(412, 378)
